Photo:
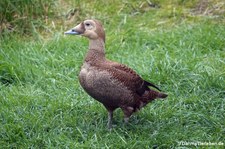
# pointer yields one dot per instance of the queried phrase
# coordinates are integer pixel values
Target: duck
(113, 84)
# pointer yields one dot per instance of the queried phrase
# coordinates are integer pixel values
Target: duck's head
(91, 29)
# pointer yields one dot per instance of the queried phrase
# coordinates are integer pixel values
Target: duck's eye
(88, 24)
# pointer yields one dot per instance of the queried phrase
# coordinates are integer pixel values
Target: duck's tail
(152, 95)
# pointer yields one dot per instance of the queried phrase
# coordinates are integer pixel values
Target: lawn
(174, 44)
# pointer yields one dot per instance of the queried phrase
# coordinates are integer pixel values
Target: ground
(179, 45)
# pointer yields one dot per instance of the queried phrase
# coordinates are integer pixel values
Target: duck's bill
(72, 32)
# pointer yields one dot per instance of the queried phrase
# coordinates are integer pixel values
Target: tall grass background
(177, 44)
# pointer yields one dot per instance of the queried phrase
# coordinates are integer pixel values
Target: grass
(25, 16)
(43, 105)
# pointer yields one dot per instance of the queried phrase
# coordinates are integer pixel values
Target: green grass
(25, 16)
(42, 104)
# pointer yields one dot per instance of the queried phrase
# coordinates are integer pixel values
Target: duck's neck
(97, 44)
(96, 50)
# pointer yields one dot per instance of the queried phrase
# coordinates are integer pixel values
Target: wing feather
(129, 77)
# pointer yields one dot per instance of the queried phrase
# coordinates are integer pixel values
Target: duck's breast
(101, 85)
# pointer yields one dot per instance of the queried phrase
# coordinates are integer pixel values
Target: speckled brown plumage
(113, 84)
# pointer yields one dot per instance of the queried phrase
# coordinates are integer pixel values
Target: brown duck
(113, 84)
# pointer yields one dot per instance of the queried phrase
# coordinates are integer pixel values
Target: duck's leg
(127, 113)
(126, 119)
(110, 118)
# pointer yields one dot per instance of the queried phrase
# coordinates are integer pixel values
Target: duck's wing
(129, 77)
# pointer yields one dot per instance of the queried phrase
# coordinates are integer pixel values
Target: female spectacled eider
(113, 84)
